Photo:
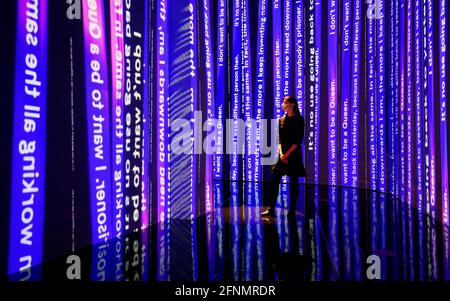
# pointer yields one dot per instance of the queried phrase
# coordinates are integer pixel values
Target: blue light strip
(98, 132)
(249, 157)
(397, 159)
(236, 88)
(117, 99)
(162, 139)
(210, 159)
(403, 171)
(260, 84)
(373, 146)
(29, 142)
(409, 136)
(346, 126)
(357, 260)
(380, 95)
(418, 58)
(333, 25)
(381, 117)
(248, 101)
(184, 103)
(373, 166)
(355, 90)
(346, 74)
(235, 115)
(145, 210)
(443, 35)
(392, 103)
(220, 85)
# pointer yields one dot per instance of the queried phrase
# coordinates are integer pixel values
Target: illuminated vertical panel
(210, 99)
(381, 117)
(316, 20)
(380, 94)
(394, 124)
(210, 103)
(333, 16)
(98, 133)
(260, 84)
(145, 210)
(279, 61)
(183, 113)
(221, 67)
(409, 134)
(354, 113)
(313, 31)
(299, 61)
(117, 99)
(346, 74)
(357, 258)
(220, 86)
(346, 126)
(247, 97)
(250, 131)
(259, 235)
(219, 264)
(373, 166)
(162, 137)
(235, 89)
(418, 59)
(391, 103)
(443, 35)
(402, 111)
(29, 142)
(373, 146)
(235, 115)
(355, 90)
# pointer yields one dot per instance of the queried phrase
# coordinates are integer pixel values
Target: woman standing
(290, 161)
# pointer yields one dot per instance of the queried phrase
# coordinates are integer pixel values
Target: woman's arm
(290, 150)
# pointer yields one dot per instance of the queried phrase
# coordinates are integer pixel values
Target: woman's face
(287, 106)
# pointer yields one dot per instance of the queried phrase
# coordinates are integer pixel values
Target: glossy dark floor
(335, 234)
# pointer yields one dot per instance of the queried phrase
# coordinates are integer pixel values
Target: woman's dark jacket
(291, 131)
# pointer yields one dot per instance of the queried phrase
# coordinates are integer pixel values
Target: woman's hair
(293, 101)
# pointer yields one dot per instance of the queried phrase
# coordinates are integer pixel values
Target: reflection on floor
(336, 234)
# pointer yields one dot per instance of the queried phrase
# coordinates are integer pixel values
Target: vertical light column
(332, 63)
(220, 85)
(236, 63)
(117, 99)
(381, 117)
(418, 59)
(443, 35)
(98, 134)
(221, 69)
(210, 108)
(145, 210)
(162, 138)
(403, 167)
(409, 134)
(354, 113)
(260, 94)
(346, 126)
(28, 142)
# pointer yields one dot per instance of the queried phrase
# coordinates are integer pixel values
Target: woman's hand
(283, 158)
